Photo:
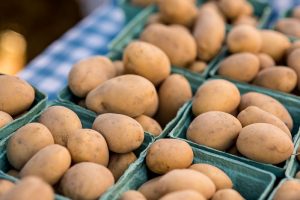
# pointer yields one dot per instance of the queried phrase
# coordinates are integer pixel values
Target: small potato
(244, 38)
(150, 189)
(296, 12)
(288, 26)
(173, 93)
(289, 190)
(177, 11)
(216, 95)
(274, 44)
(293, 62)
(240, 66)
(88, 73)
(118, 163)
(231, 8)
(149, 125)
(220, 179)
(183, 194)
(214, 129)
(16, 95)
(198, 67)
(227, 194)
(5, 119)
(253, 114)
(267, 138)
(132, 195)
(86, 145)
(279, 78)
(295, 45)
(26, 142)
(146, 60)
(119, 66)
(53, 158)
(122, 133)
(143, 3)
(32, 188)
(245, 20)
(5, 186)
(130, 95)
(267, 104)
(265, 61)
(86, 180)
(161, 157)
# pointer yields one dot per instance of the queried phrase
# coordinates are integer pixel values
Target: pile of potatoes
(290, 26)
(264, 58)
(178, 178)
(16, 98)
(79, 163)
(254, 125)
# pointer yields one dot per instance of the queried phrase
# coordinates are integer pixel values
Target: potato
(16, 95)
(5, 186)
(198, 67)
(274, 44)
(146, 60)
(267, 104)
(122, 133)
(297, 175)
(245, 20)
(118, 163)
(130, 95)
(149, 125)
(216, 95)
(5, 119)
(119, 67)
(289, 190)
(231, 8)
(132, 195)
(143, 3)
(240, 66)
(214, 129)
(86, 145)
(173, 93)
(227, 194)
(187, 179)
(61, 122)
(293, 62)
(253, 114)
(220, 179)
(184, 194)
(244, 38)
(247, 9)
(296, 12)
(150, 189)
(177, 11)
(32, 188)
(294, 45)
(26, 142)
(161, 157)
(53, 158)
(256, 138)
(88, 73)
(168, 37)
(265, 61)
(279, 78)
(86, 180)
(288, 26)
(209, 33)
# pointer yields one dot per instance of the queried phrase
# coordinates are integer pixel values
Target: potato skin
(53, 158)
(216, 95)
(293, 62)
(150, 189)
(86, 145)
(183, 194)
(240, 66)
(5, 186)
(278, 78)
(288, 190)
(267, 104)
(130, 95)
(231, 8)
(256, 138)
(86, 180)
(227, 194)
(265, 61)
(26, 142)
(162, 159)
(149, 125)
(122, 133)
(88, 73)
(5, 119)
(214, 129)
(16, 95)
(288, 26)
(132, 195)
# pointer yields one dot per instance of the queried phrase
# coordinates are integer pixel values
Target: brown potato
(119, 66)
(122, 133)
(149, 125)
(240, 66)
(289, 190)
(5, 119)
(288, 26)
(151, 189)
(265, 61)
(214, 129)
(231, 8)
(130, 95)
(161, 158)
(256, 138)
(5, 186)
(16, 95)
(88, 73)
(132, 195)
(53, 158)
(198, 67)
(61, 122)
(86, 180)
(26, 142)
(245, 20)
(183, 194)
(227, 194)
(216, 95)
(293, 62)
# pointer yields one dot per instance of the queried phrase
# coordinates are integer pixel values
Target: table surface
(49, 71)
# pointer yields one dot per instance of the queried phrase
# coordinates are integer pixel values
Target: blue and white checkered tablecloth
(48, 72)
